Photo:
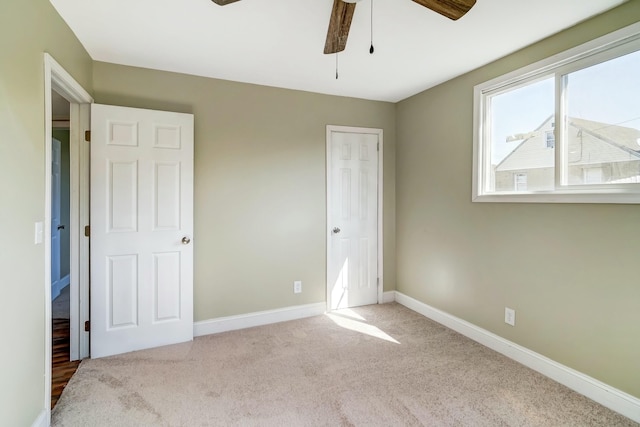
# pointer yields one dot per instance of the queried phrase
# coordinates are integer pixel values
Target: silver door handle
(186, 240)
(336, 230)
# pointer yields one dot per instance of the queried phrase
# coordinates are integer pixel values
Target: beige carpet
(377, 365)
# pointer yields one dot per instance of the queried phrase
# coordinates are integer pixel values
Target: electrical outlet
(297, 287)
(509, 316)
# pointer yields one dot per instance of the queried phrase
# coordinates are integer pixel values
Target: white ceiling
(280, 42)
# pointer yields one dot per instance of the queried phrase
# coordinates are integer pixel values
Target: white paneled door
(353, 218)
(141, 229)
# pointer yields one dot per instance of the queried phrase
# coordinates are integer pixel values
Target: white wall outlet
(509, 316)
(297, 287)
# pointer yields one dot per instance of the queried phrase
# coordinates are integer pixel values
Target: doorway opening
(65, 97)
(62, 367)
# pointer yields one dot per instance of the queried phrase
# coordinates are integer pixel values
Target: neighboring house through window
(597, 154)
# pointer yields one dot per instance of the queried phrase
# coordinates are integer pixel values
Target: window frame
(559, 66)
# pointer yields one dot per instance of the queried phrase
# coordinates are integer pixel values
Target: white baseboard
(388, 297)
(232, 323)
(42, 420)
(259, 318)
(65, 281)
(608, 396)
(58, 287)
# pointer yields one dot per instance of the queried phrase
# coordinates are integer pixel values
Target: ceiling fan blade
(339, 24)
(224, 2)
(452, 9)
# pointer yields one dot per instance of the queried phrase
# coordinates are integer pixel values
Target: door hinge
(87, 326)
(378, 147)
(378, 282)
(87, 135)
(87, 231)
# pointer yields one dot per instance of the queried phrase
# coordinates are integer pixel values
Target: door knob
(61, 227)
(186, 240)
(336, 230)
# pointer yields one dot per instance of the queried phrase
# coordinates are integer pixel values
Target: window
(592, 175)
(550, 139)
(566, 129)
(520, 182)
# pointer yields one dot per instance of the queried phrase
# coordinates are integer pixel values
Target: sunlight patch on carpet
(349, 313)
(361, 327)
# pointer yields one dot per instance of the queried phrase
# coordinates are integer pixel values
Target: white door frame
(360, 130)
(58, 79)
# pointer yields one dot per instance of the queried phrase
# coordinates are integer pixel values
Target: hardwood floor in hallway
(61, 368)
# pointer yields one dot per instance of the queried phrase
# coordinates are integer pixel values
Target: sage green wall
(27, 29)
(62, 135)
(569, 271)
(260, 215)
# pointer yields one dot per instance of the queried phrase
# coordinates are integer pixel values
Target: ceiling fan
(342, 14)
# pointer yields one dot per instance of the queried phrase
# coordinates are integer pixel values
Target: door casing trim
(380, 230)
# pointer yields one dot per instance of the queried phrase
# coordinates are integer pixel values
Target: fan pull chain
(336, 65)
(371, 48)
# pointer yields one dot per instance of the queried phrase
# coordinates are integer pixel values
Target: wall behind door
(260, 215)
